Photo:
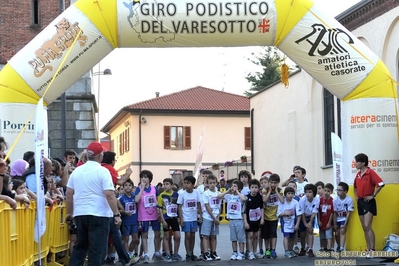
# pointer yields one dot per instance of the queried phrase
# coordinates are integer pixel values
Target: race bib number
(150, 201)
(254, 215)
(234, 208)
(191, 204)
(341, 214)
(272, 200)
(171, 210)
(291, 211)
(130, 207)
(214, 202)
(324, 208)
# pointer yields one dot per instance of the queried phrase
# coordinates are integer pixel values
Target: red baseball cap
(94, 148)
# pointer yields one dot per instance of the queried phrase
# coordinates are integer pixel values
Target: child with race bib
(189, 212)
(146, 199)
(235, 201)
(210, 222)
(167, 207)
(253, 217)
(129, 227)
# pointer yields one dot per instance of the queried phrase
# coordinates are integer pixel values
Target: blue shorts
(190, 227)
(145, 226)
(340, 224)
(290, 235)
(128, 230)
(302, 227)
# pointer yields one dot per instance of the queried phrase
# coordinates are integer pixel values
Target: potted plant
(228, 163)
(215, 166)
(244, 159)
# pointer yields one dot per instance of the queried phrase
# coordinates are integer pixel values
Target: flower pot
(243, 160)
(215, 167)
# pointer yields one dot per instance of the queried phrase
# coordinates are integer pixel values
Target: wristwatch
(117, 215)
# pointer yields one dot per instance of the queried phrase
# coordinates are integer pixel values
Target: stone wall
(81, 127)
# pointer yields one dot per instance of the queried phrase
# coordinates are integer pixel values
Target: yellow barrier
(223, 208)
(17, 230)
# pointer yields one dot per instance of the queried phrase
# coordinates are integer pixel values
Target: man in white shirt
(91, 203)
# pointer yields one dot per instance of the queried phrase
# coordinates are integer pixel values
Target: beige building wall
(288, 128)
(289, 123)
(223, 140)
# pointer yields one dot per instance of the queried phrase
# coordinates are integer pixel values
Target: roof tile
(196, 99)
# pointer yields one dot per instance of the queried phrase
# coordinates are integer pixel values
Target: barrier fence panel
(17, 246)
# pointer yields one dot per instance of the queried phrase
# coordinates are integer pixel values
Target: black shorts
(269, 229)
(172, 224)
(253, 227)
(364, 207)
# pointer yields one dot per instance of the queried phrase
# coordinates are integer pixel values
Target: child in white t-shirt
(234, 210)
(309, 208)
(210, 221)
(189, 212)
(343, 206)
(287, 212)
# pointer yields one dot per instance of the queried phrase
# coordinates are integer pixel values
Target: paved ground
(224, 251)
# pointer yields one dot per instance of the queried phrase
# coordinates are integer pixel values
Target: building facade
(165, 134)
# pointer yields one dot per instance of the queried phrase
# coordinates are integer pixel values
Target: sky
(138, 73)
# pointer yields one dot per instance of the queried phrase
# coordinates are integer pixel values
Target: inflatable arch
(88, 30)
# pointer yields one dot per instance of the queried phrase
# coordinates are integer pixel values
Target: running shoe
(215, 256)
(251, 256)
(234, 256)
(268, 254)
(273, 254)
(177, 258)
(158, 257)
(240, 256)
(287, 254)
(168, 259)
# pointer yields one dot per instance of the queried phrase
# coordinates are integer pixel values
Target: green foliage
(270, 61)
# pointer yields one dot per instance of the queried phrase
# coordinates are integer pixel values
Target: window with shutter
(247, 140)
(127, 139)
(187, 138)
(122, 143)
(177, 137)
(166, 137)
(112, 145)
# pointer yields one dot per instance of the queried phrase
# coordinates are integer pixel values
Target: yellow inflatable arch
(88, 30)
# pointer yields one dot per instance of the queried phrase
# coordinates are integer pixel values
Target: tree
(270, 61)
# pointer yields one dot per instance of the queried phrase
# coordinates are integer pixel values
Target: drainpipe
(252, 143)
(140, 155)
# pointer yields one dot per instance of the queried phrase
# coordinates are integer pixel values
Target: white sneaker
(240, 256)
(259, 255)
(296, 249)
(234, 256)
(251, 256)
(369, 254)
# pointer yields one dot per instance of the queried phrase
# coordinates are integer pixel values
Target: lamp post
(106, 72)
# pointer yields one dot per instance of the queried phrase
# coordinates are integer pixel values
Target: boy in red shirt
(325, 217)
(367, 185)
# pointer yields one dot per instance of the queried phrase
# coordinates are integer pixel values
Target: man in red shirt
(367, 185)
(108, 162)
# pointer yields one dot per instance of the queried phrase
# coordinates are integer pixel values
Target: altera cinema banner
(89, 30)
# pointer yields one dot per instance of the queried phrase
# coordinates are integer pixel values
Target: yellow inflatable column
(349, 70)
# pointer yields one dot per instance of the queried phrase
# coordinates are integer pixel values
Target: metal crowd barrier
(17, 246)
